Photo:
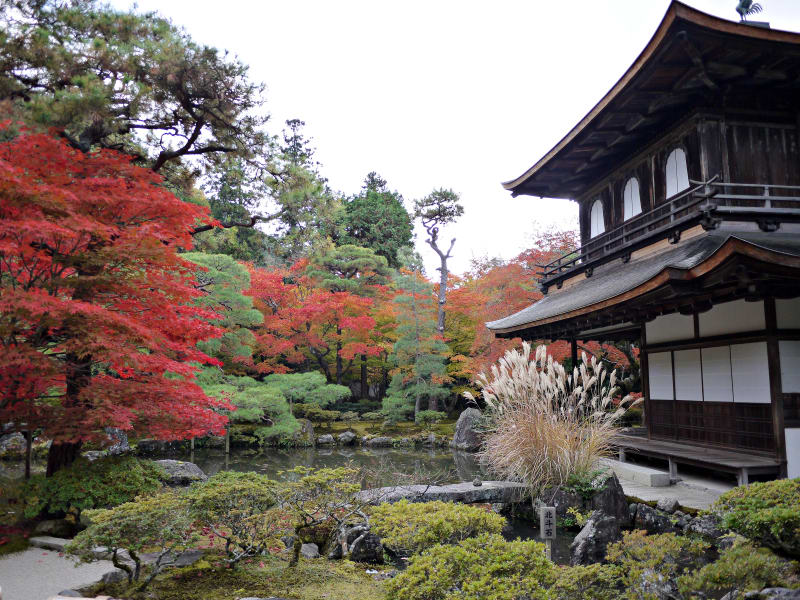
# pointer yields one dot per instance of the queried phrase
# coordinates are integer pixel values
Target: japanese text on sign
(547, 524)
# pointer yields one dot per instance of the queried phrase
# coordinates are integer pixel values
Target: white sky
(439, 93)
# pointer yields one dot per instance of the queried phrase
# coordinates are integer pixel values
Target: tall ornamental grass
(544, 425)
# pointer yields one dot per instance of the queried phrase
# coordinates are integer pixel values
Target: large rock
(347, 438)
(180, 473)
(468, 436)
(652, 520)
(611, 500)
(379, 442)
(305, 435)
(59, 528)
(489, 492)
(325, 440)
(668, 505)
(367, 549)
(774, 594)
(707, 527)
(590, 544)
(117, 440)
(12, 445)
(309, 551)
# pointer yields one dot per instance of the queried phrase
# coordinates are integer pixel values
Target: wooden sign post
(547, 528)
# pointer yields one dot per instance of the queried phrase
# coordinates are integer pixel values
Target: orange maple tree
(97, 324)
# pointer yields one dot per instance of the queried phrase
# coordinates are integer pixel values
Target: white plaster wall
(688, 376)
(793, 452)
(732, 317)
(670, 328)
(790, 365)
(788, 313)
(660, 375)
(750, 373)
(717, 380)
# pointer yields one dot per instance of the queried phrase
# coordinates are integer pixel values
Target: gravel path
(37, 574)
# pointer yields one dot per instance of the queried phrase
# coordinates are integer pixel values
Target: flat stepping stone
(489, 492)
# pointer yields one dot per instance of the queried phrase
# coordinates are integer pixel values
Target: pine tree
(420, 354)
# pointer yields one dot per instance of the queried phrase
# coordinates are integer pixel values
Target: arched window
(632, 203)
(598, 224)
(677, 175)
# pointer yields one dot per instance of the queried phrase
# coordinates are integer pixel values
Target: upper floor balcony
(708, 204)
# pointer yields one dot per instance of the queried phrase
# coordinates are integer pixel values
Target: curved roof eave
(675, 11)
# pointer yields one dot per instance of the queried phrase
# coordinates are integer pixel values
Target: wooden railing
(708, 202)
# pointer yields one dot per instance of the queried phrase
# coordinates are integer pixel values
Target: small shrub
(103, 483)
(373, 416)
(764, 512)
(482, 568)
(741, 568)
(409, 528)
(159, 522)
(650, 561)
(591, 582)
(241, 509)
(314, 413)
(575, 518)
(429, 417)
(349, 416)
(587, 483)
(309, 388)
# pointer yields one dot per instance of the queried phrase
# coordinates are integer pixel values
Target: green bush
(741, 568)
(239, 508)
(429, 417)
(482, 568)
(649, 561)
(767, 513)
(349, 416)
(314, 413)
(308, 388)
(409, 528)
(375, 415)
(591, 582)
(155, 523)
(102, 483)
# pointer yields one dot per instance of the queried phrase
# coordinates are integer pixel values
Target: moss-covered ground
(400, 430)
(262, 577)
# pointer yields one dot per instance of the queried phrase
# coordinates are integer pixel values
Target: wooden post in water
(547, 528)
(227, 441)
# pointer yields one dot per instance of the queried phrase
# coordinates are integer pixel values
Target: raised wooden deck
(742, 464)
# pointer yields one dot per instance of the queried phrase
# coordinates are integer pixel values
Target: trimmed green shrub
(767, 513)
(158, 522)
(741, 568)
(429, 417)
(375, 415)
(482, 568)
(409, 528)
(650, 561)
(314, 413)
(590, 582)
(308, 388)
(241, 509)
(103, 483)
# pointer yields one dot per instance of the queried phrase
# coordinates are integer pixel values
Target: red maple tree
(96, 318)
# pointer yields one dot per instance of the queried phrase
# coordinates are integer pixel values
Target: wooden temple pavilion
(687, 176)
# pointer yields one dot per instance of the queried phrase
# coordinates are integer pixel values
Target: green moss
(261, 577)
(13, 543)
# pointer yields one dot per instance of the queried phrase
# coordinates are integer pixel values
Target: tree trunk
(339, 368)
(417, 406)
(78, 376)
(443, 272)
(28, 448)
(433, 403)
(364, 385)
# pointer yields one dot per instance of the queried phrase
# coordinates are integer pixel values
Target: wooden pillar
(775, 383)
(573, 352)
(644, 373)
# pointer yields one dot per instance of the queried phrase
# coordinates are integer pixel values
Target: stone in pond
(590, 544)
(309, 551)
(467, 436)
(379, 442)
(347, 438)
(180, 473)
(326, 440)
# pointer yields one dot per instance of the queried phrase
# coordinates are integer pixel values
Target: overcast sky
(435, 93)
